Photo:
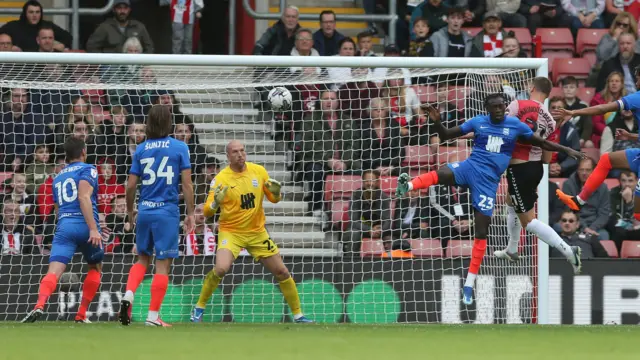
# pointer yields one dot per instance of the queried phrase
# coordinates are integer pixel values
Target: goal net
(357, 252)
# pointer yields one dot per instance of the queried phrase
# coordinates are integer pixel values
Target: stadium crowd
(348, 128)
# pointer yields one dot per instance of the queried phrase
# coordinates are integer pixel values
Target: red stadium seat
(593, 153)
(418, 156)
(586, 94)
(459, 248)
(558, 181)
(340, 214)
(552, 55)
(588, 39)
(427, 94)
(556, 39)
(372, 248)
(611, 183)
(4, 176)
(426, 247)
(341, 186)
(630, 249)
(610, 247)
(576, 67)
(590, 57)
(388, 184)
(458, 95)
(450, 154)
(472, 31)
(556, 91)
(524, 38)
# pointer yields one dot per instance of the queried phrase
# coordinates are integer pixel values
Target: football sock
(424, 181)
(550, 236)
(136, 275)
(159, 286)
(47, 287)
(209, 285)
(596, 178)
(514, 228)
(290, 293)
(89, 289)
(479, 248)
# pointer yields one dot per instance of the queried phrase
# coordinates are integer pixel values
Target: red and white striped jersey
(538, 118)
(184, 11)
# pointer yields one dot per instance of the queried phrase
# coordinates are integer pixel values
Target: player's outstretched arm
(187, 192)
(550, 146)
(130, 196)
(86, 207)
(443, 132)
(588, 111)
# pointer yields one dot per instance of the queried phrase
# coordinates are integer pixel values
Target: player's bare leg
(89, 290)
(136, 275)
(288, 287)
(159, 286)
(224, 260)
(608, 161)
(47, 287)
(481, 227)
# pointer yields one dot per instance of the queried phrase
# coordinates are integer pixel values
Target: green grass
(311, 342)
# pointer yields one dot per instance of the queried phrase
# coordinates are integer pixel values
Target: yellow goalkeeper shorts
(259, 245)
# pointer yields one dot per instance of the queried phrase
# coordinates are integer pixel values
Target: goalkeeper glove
(273, 186)
(403, 184)
(218, 196)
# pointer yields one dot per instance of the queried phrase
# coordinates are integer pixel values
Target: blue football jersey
(158, 163)
(65, 190)
(494, 143)
(631, 103)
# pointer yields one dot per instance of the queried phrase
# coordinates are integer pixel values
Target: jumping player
(495, 136)
(624, 160)
(161, 163)
(237, 191)
(525, 173)
(75, 191)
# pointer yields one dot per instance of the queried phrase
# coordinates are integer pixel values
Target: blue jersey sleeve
(90, 175)
(135, 165)
(630, 102)
(524, 130)
(469, 125)
(185, 161)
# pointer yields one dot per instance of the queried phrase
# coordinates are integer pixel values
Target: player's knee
(281, 273)
(220, 271)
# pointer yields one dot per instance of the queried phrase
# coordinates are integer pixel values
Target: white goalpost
(357, 253)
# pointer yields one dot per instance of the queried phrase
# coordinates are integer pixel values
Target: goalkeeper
(237, 192)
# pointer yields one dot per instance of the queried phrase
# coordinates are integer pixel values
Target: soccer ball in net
(280, 99)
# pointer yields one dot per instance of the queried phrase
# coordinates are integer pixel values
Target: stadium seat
(418, 156)
(472, 31)
(558, 181)
(556, 39)
(552, 55)
(341, 186)
(450, 154)
(458, 95)
(576, 67)
(4, 176)
(388, 184)
(586, 93)
(459, 248)
(587, 41)
(611, 183)
(427, 94)
(556, 91)
(524, 38)
(630, 249)
(426, 247)
(593, 153)
(372, 248)
(340, 214)
(610, 247)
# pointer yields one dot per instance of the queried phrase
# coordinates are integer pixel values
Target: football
(280, 99)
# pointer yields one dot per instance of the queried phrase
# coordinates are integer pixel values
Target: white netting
(319, 150)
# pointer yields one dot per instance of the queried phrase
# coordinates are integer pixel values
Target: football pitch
(310, 342)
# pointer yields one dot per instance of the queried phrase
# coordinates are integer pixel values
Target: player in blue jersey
(161, 163)
(495, 136)
(75, 191)
(628, 159)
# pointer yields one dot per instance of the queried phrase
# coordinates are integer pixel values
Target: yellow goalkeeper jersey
(241, 211)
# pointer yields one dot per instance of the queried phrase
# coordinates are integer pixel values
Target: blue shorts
(158, 230)
(483, 187)
(633, 158)
(73, 235)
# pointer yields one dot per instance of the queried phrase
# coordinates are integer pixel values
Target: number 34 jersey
(158, 163)
(65, 190)
(241, 211)
(494, 143)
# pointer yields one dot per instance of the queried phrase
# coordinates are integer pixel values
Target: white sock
(410, 185)
(153, 316)
(471, 280)
(296, 317)
(550, 236)
(580, 201)
(128, 296)
(514, 228)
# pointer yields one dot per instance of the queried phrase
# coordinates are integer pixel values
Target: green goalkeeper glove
(403, 184)
(273, 186)
(218, 196)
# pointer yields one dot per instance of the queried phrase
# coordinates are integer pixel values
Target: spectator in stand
(369, 214)
(22, 130)
(584, 14)
(476, 8)
(280, 38)
(327, 39)
(24, 32)
(183, 131)
(450, 214)
(562, 165)
(613, 90)
(421, 46)
(542, 13)
(434, 11)
(615, 7)
(584, 125)
(404, 103)
(622, 223)
(79, 110)
(6, 44)
(624, 121)
(17, 238)
(508, 12)
(183, 16)
(511, 49)
(121, 230)
(595, 213)
(381, 140)
(135, 136)
(40, 169)
(123, 73)
(82, 129)
(608, 46)
(365, 44)
(111, 35)
(556, 207)
(20, 196)
(304, 47)
(46, 41)
(381, 73)
(355, 96)
(44, 200)
(202, 240)
(201, 185)
(114, 132)
(342, 75)
(411, 217)
(571, 234)
(452, 41)
(488, 42)
(108, 187)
